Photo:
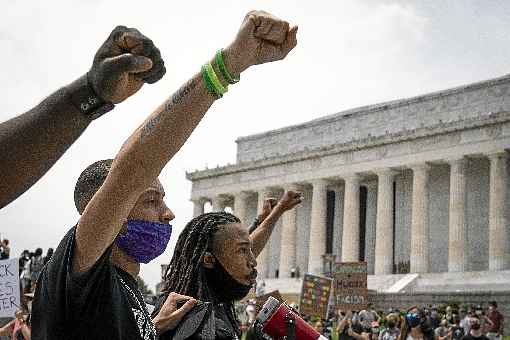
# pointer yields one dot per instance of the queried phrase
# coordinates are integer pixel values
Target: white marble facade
(432, 171)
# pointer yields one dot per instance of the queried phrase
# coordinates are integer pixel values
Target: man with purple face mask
(88, 289)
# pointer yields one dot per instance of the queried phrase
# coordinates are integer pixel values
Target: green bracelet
(218, 87)
(209, 84)
(223, 69)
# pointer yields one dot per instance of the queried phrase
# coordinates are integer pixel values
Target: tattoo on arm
(147, 128)
(175, 99)
(184, 90)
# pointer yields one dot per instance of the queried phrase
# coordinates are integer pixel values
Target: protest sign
(351, 293)
(9, 287)
(315, 296)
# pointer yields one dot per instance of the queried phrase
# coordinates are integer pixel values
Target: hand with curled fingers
(262, 38)
(267, 207)
(125, 61)
(170, 315)
(290, 199)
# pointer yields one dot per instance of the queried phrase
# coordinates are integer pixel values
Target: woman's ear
(208, 260)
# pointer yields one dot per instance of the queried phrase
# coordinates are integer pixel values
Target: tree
(144, 288)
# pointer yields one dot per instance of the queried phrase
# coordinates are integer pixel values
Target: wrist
(233, 61)
(158, 324)
(85, 100)
(280, 208)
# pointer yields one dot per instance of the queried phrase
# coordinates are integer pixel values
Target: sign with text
(315, 295)
(9, 287)
(351, 292)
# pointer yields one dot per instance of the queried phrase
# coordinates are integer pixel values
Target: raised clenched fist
(267, 207)
(125, 61)
(290, 199)
(262, 38)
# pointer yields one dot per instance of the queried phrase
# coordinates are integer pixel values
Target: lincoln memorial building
(418, 188)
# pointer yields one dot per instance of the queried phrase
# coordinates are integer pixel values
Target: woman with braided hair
(214, 262)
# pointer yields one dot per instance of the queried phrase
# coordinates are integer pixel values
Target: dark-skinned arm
(32, 142)
(261, 235)
(262, 38)
(267, 206)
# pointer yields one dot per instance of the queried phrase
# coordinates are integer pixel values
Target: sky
(350, 53)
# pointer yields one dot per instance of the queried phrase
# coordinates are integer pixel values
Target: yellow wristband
(214, 79)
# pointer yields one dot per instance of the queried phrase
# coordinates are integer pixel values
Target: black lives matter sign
(9, 287)
(351, 292)
(315, 295)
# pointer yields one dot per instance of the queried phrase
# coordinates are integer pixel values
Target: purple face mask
(144, 240)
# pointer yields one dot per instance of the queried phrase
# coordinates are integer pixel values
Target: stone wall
(383, 301)
(387, 118)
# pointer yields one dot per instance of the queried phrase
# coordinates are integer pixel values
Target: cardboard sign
(315, 295)
(351, 292)
(9, 287)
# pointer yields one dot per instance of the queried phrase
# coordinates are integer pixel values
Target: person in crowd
(23, 258)
(475, 332)
(448, 315)
(465, 318)
(319, 326)
(5, 250)
(251, 311)
(31, 143)
(443, 331)
(260, 288)
(18, 328)
(359, 329)
(25, 277)
(214, 261)
(495, 331)
(485, 322)
(343, 323)
(391, 331)
(434, 318)
(36, 264)
(456, 330)
(49, 253)
(375, 330)
(88, 289)
(82, 296)
(416, 326)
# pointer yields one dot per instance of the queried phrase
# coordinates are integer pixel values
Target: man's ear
(208, 260)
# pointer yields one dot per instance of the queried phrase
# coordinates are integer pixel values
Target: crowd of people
(443, 322)
(31, 264)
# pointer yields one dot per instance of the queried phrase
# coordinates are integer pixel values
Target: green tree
(144, 288)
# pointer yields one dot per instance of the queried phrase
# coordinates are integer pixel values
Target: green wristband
(223, 69)
(218, 87)
(208, 83)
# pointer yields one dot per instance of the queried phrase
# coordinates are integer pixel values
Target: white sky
(350, 53)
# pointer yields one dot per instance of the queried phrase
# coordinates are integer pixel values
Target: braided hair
(185, 274)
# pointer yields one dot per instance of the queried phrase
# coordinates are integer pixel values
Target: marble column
(457, 241)
(339, 220)
(240, 205)
(218, 203)
(499, 251)
(262, 267)
(288, 239)
(350, 234)
(419, 220)
(317, 245)
(198, 206)
(384, 223)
